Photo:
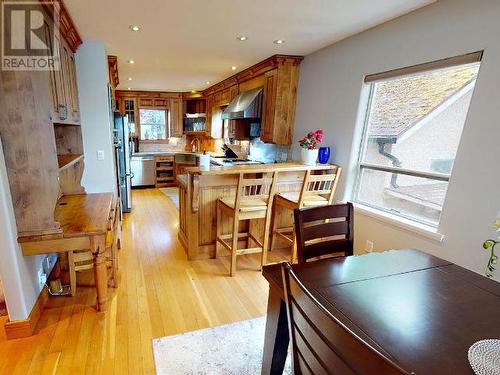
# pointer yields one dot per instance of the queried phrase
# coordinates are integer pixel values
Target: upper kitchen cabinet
(149, 103)
(278, 76)
(64, 89)
(216, 101)
(280, 96)
(176, 124)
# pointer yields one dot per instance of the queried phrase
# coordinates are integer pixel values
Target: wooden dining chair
(324, 231)
(252, 201)
(322, 343)
(316, 190)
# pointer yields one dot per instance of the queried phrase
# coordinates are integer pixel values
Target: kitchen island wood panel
(200, 189)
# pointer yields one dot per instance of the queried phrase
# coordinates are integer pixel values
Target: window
(153, 124)
(413, 125)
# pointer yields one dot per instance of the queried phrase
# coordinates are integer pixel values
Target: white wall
(92, 78)
(329, 93)
(19, 273)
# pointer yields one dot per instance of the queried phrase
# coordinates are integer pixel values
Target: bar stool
(316, 190)
(252, 201)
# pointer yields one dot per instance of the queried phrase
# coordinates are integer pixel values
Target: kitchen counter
(199, 190)
(165, 153)
(254, 168)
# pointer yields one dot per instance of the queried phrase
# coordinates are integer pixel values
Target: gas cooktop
(232, 161)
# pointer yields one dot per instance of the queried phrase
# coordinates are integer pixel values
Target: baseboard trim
(17, 329)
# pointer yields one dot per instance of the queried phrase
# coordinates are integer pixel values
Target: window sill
(408, 225)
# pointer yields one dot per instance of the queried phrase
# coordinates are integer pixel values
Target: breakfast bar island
(200, 189)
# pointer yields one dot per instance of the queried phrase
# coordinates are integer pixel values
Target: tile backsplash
(174, 144)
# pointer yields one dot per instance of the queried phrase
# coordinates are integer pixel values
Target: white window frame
(361, 165)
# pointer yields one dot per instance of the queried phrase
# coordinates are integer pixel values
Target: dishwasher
(143, 169)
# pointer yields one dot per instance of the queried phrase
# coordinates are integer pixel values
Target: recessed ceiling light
(208, 82)
(233, 68)
(242, 38)
(135, 27)
(193, 91)
(131, 62)
(130, 78)
(279, 41)
(128, 88)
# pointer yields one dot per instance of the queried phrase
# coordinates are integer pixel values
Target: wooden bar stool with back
(252, 201)
(316, 190)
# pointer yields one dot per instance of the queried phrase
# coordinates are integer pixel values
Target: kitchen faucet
(195, 143)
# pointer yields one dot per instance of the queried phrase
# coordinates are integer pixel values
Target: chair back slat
(324, 230)
(323, 344)
(254, 187)
(323, 184)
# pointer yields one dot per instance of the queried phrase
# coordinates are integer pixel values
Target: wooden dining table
(422, 311)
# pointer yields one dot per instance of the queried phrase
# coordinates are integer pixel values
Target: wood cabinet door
(57, 86)
(176, 125)
(233, 92)
(160, 102)
(269, 105)
(146, 102)
(225, 96)
(75, 104)
(217, 126)
(208, 114)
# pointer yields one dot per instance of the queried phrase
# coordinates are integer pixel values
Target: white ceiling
(184, 43)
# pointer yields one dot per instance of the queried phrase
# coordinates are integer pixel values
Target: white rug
(231, 349)
(173, 194)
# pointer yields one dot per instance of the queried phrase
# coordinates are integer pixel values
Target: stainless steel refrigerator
(123, 153)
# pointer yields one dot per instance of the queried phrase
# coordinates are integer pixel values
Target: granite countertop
(249, 168)
(164, 153)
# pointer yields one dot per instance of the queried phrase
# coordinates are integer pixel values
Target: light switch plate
(100, 155)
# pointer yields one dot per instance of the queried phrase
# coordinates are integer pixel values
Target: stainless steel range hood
(248, 104)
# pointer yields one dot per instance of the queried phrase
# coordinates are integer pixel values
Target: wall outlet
(369, 246)
(42, 278)
(100, 155)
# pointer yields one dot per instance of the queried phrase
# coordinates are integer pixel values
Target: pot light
(134, 27)
(130, 78)
(279, 41)
(242, 38)
(193, 91)
(128, 88)
(208, 82)
(131, 62)
(233, 68)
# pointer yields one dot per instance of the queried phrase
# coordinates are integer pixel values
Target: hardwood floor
(160, 293)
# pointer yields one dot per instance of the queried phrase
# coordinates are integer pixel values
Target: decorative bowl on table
(484, 357)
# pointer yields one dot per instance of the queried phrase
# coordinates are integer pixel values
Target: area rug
(231, 349)
(173, 194)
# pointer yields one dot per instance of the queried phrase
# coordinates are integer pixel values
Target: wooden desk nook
(84, 222)
(422, 311)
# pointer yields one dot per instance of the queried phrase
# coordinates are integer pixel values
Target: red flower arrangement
(311, 140)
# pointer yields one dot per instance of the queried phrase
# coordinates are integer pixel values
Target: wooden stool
(252, 201)
(82, 260)
(316, 190)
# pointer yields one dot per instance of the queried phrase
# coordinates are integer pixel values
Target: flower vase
(309, 157)
(324, 155)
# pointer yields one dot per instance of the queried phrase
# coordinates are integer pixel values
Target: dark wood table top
(421, 310)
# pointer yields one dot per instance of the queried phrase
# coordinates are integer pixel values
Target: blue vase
(323, 155)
